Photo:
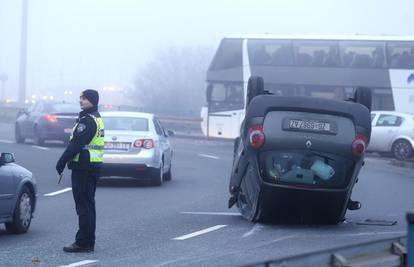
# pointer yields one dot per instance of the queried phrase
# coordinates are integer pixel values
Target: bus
(306, 65)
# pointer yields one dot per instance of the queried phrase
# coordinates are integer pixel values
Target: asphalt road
(139, 225)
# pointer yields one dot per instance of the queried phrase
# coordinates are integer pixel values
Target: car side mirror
(170, 133)
(6, 158)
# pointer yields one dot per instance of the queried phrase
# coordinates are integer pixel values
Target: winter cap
(91, 95)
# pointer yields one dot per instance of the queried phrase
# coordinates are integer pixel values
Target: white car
(136, 145)
(392, 132)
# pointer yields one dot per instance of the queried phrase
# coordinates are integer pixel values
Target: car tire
(37, 139)
(18, 135)
(23, 212)
(402, 149)
(158, 176)
(248, 202)
(168, 175)
(363, 96)
(255, 87)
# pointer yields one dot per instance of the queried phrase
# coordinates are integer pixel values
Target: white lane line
(58, 192)
(208, 156)
(201, 232)
(41, 147)
(82, 263)
(212, 213)
(6, 141)
(255, 228)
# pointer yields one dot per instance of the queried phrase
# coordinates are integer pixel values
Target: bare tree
(172, 83)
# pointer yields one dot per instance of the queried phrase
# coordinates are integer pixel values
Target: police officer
(84, 157)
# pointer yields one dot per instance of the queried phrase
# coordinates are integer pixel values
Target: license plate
(309, 125)
(68, 130)
(116, 146)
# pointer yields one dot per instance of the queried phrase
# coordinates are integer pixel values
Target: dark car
(17, 195)
(298, 158)
(46, 120)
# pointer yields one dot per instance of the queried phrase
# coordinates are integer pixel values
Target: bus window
(362, 54)
(400, 55)
(316, 53)
(382, 99)
(226, 96)
(229, 55)
(267, 52)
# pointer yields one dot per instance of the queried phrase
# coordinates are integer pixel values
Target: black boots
(76, 248)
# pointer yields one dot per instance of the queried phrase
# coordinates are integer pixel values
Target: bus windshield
(226, 96)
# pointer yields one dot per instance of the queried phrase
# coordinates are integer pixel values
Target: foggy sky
(93, 43)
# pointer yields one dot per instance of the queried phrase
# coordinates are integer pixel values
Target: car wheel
(248, 200)
(22, 215)
(158, 176)
(402, 149)
(363, 96)
(18, 135)
(37, 139)
(255, 87)
(167, 175)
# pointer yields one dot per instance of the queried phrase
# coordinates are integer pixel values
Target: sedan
(136, 145)
(17, 195)
(46, 120)
(392, 132)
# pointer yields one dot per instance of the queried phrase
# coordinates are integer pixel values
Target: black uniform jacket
(82, 135)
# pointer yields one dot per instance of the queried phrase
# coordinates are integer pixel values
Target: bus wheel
(363, 96)
(255, 87)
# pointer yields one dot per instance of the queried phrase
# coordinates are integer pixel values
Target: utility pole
(23, 53)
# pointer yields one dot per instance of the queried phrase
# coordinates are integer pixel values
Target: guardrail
(397, 251)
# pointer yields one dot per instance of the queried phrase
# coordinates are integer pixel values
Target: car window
(125, 124)
(39, 108)
(389, 120)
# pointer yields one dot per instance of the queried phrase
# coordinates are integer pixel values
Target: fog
(75, 44)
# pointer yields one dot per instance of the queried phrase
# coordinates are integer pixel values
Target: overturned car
(298, 158)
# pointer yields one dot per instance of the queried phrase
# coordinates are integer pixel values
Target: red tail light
(51, 118)
(256, 136)
(144, 143)
(359, 145)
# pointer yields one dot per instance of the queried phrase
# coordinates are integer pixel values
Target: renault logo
(308, 144)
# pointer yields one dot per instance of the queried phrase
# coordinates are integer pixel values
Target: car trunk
(307, 149)
(117, 142)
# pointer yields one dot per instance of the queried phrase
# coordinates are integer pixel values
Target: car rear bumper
(149, 158)
(55, 132)
(141, 171)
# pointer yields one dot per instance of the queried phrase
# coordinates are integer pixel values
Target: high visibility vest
(96, 146)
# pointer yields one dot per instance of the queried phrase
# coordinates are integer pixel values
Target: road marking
(212, 213)
(257, 227)
(82, 263)
(41, 147)
(201, 232)
(58, 192)
(208, 156)
(6, 141)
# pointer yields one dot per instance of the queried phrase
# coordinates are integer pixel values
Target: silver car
(17, 195)
(136, 145)
(392, 132)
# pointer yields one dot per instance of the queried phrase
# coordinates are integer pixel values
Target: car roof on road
(126, 114)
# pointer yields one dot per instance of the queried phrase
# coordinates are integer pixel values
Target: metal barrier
(386, 252)
(410, 240)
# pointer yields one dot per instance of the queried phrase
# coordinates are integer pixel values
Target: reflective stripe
(95, 154)
(87, 147)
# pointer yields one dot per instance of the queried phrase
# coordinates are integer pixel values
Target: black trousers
(83, 189)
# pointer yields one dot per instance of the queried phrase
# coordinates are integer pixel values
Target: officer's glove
(60, 166)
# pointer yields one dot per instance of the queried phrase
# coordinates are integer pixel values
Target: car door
(164, 143)
(385, 130)
(25, 121)
(7, 190)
